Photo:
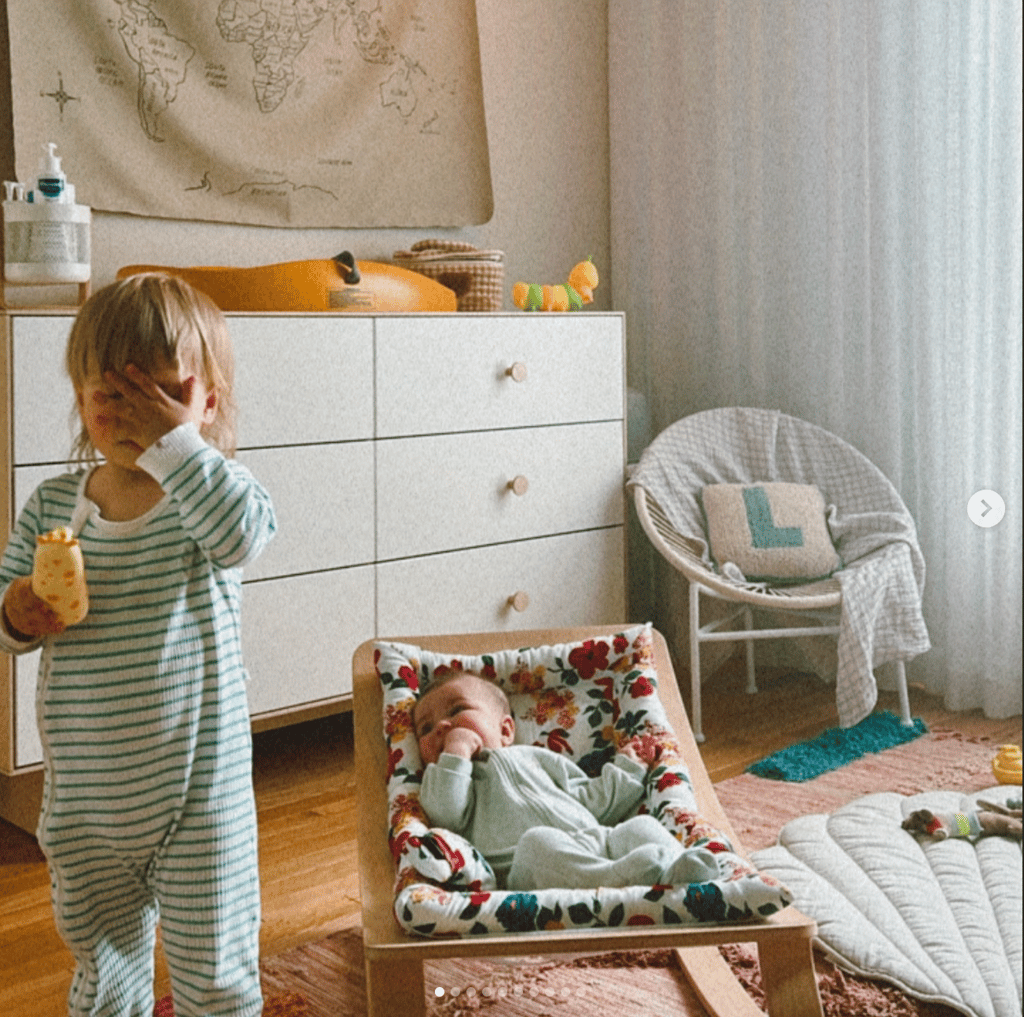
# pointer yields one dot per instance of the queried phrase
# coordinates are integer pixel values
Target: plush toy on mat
(58, 575)
(987, 818)
(570, 296)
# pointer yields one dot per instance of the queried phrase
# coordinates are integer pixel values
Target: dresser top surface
(70, 312)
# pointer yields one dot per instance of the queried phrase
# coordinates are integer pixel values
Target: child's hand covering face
(461, 717)
(126, 413)
(156, 403)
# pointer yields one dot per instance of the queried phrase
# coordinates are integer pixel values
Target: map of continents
(162, 60)
(276, 112)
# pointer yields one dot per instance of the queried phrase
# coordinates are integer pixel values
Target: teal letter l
(763, 531)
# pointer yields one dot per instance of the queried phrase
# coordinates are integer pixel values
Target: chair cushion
(776, 532)
(586, 699)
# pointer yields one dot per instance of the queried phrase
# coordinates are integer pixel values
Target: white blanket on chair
(940, 919)
(880, 616)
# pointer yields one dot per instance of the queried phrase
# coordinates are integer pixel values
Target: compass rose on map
(60, 97)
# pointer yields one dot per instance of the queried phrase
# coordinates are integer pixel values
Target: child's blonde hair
(152, 320)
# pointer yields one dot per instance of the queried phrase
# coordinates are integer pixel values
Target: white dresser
(431, 473)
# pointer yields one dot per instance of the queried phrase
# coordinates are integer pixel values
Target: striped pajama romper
(148, 809)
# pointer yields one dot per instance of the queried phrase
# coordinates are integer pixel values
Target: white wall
(545, 75)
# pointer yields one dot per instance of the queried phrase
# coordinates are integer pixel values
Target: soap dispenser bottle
(51, 180)
(46, 237)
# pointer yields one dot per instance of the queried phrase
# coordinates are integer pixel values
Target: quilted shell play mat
(587, 700)
(940, 919)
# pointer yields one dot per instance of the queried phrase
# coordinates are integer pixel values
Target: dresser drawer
(28, 750)
(302, 379)
(298, 635)
(296, 381)
(323, 500)
(27, 479)
(43, 398)
(574, 579)
(443, 374)
(444, 492)
(297, 639)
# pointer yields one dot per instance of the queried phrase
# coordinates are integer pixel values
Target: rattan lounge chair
(873, 532)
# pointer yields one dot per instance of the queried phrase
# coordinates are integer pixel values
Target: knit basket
(476, 277)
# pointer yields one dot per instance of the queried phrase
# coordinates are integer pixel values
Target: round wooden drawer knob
(517, 372)
(519, 601)
(519, 485)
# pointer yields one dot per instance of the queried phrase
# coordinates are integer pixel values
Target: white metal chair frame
(816, 602)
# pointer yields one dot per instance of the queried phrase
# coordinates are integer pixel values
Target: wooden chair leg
(716, 986)
(787, 974)
(394, 988)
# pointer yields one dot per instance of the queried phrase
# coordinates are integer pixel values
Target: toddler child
(536, 817)
(148, 808)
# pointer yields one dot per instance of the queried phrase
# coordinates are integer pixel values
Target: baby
(536, 817)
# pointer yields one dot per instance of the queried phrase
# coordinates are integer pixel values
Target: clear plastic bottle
(50, 184)
(46, 235)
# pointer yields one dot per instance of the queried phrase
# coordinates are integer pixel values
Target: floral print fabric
(587, 700)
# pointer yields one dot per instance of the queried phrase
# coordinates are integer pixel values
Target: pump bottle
(46, 236)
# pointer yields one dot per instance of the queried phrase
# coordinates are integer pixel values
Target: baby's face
(463, 703)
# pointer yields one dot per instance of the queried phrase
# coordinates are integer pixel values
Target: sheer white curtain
(816, 206)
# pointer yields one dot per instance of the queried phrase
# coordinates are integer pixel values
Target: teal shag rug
(838, 746)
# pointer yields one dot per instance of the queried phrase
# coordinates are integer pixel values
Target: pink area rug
(940, 760)
(288, 1005)
(841, 995)
(943, 759)
(325, 979)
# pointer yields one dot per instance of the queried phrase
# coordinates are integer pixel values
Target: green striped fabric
(148, 806)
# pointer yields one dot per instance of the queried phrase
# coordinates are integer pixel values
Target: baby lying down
(536, 817)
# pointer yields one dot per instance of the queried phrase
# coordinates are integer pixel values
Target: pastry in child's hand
(58, 575)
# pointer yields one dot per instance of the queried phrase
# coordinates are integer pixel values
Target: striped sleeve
(20, 551)
(223, 508)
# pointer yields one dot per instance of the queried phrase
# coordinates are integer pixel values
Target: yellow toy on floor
(570, 296)
(1006, 766)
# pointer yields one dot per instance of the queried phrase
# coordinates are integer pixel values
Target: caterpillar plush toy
(571, 296)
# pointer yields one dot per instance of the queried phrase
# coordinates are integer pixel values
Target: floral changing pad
(588, 700)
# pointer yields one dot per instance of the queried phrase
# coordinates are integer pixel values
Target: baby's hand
(630, 752)
(462, 742)
(645, 752)
(26, 614)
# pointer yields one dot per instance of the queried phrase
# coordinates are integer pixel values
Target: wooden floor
(307, 815)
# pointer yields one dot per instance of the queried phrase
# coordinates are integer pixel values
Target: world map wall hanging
(303, 113)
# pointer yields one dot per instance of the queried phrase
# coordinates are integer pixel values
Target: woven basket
(476, 277)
